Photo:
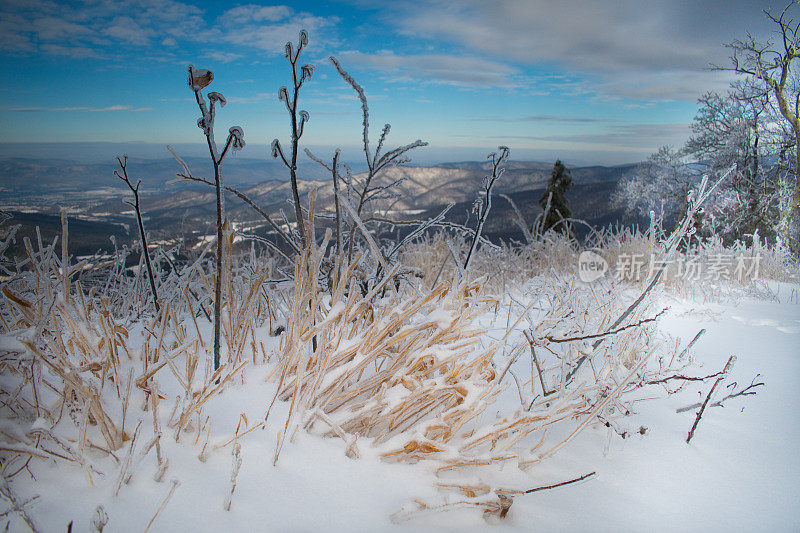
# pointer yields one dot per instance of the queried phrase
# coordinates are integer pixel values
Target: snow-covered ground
(739, 472)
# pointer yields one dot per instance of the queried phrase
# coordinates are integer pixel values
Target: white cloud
(257, 98)
(128, 31)
(646, 49)
(545, 118)
(53, 28)
(642, 137)
(440, 69)
(87, 28)
(90, 28)
(268, 35)
(12, 38)
(254, 13)
(222, 57)
(75, 52)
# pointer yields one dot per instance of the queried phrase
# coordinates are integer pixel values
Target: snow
(739, 472)
(10, 343)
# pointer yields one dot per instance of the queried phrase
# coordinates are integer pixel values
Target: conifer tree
(554, 201)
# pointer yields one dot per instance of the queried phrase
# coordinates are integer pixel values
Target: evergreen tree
(554, 201)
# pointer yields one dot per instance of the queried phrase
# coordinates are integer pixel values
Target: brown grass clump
(408, 371)
(79, 365)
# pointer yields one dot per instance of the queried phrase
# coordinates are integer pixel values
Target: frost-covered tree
(772, 63)
(738, 131)
(661, 185)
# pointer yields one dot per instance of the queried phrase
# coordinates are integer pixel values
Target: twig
(548, 487)
(747, 391)
(694, 340)
(5, 490)
(123, 165)
(683, 378)
(484, 208)
(725, 370)
(609, 332)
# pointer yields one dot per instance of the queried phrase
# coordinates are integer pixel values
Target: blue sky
(586, 81)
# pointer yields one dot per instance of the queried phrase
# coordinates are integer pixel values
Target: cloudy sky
(586, 81)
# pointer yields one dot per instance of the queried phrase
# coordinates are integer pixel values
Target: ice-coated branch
(483, 207)
(382, 139)
(198, 80)
(364, 106)
(123, 164)
(375, 162)
(746, 391)
(277, 151)
(235, 141)
(304, 117)
(266, 217)
(725, 370)
(392, 156)
(297, 125)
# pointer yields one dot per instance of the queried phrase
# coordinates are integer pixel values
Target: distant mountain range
(26, 178)
(94, 196)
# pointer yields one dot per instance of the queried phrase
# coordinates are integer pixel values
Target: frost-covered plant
(298, 120)
(484, 205)
(364, 190)
(123, 165)
(8, 238)
(739, 129)
(198, 80)
(660, 185)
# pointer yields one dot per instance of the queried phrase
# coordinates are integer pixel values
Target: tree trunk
(794, 202)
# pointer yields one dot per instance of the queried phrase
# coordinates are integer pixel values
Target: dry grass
(77, 371)
(411, 373)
